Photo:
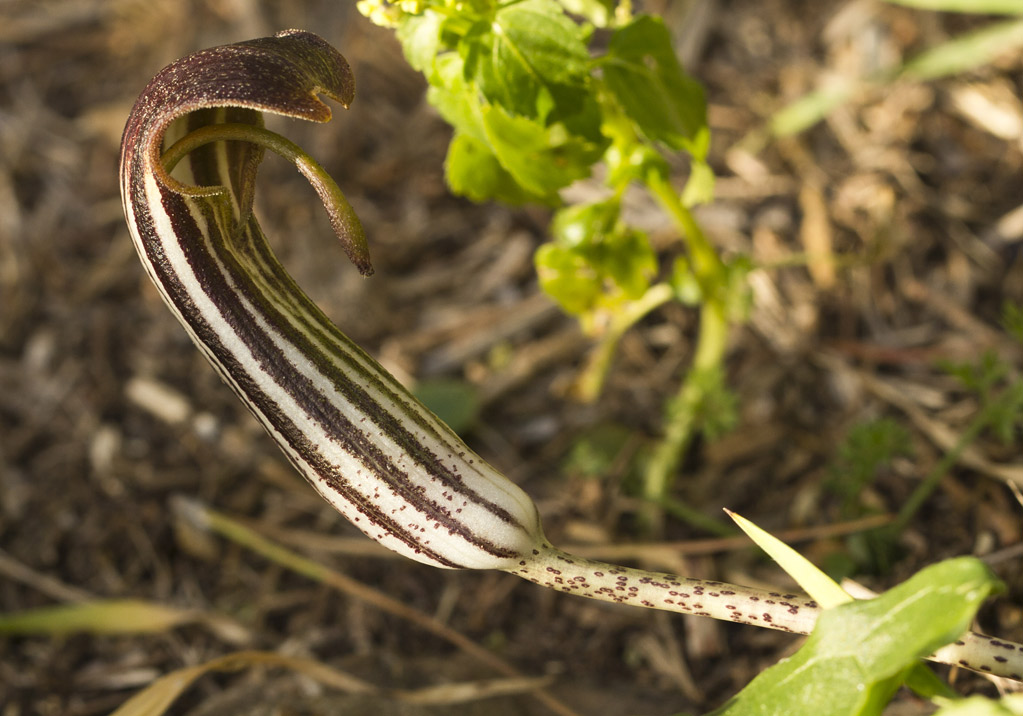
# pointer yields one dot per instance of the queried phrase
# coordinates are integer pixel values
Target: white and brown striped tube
(370, 449)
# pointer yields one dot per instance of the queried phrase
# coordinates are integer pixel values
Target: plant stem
(707, 265)
(682, 413)
(591, 378)
(681, 419)
(796, 613)
(552, 568)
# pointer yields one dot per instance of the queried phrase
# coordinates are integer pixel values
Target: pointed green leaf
(527, 55)
(541, 159)
(566, 277)
(419, 36)
(816, 583)
(456, 100)
(473, 171)
(860, 652)
(645, 76)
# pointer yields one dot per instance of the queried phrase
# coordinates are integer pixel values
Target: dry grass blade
(206, 518)
(156, 698)
(447, 694)
(117, 616)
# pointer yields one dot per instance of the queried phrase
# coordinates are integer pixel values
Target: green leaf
(628, 259)
(818, 585)
(700, 186)
(860, 652)
(541, 159)
(456, 402)
(612, 250)
(455, 99)
(568, 278)
(473, 171)
(533, 161)
(644, 75)
(419, 36)
(527, 53)
(828, 594)
(583, 225)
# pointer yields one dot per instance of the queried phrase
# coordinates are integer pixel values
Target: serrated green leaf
(644, 75)
(582, 225)
(612, 250)
(700, 186)
(541, 159)
(419, 36)
(628, 259)
(455, 99)
(524, 55)
(859, 652)
(473, 171)
(566, 277)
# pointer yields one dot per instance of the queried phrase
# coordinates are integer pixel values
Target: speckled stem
(550, 567)
(553, 568)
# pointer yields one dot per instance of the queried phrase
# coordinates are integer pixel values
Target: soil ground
(108, 413)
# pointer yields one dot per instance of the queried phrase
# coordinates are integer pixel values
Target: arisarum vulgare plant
(357, 435)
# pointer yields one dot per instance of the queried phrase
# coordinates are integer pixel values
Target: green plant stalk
(712, 341)
(681, 415)
(591, 379)
(981, 422)
(708, 267)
